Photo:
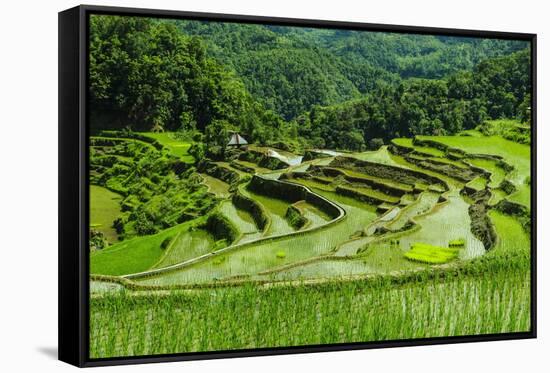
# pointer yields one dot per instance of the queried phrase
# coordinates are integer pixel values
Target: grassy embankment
(104, 209)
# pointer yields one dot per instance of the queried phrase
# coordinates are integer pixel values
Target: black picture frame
(74, 184)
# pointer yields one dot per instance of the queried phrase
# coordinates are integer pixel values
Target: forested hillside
(145, 74)
(310, 87)
(290, 68)
(496, 88)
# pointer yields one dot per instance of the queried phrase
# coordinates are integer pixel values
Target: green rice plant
(184, 246)
(489, 294)
(444, 222)
(458, 242)
(311, 183)
(241, 219)
(452, 183)
(263, 256)
(219, 260)
(216, 186)
(512, 237)
(404, 141)
(363, 195)
(390, 182)
(458, 164)
(134, 255)
(124, 324)
(315, 216)
(424, 203)
(276, 209)
(430, 254)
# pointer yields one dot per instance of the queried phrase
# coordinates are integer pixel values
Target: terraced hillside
(418, 208)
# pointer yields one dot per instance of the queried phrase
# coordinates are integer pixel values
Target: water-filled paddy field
(385, 216)
(358, 223)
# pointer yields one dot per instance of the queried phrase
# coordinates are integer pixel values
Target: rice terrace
(249, 196)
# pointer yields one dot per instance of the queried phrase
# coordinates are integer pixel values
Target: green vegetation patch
(366, 195)
(159, 191)
(518, 155)
(378, 181)
(513, 153)
(512, 236)
(104, 209)
(444, 160)
(177, 147)
(295, 217)
(259, 317)
(262, 256)
(133, 255)
(521, 196)
(459, 242)
(221, 227)
(510, 129)
(497, 172)
(421, 150)
(186, 245)
(242, 220)
(275, 210)
(479, 183)
(381, 155)
(216, 186)
(403, 141)
(430, 254)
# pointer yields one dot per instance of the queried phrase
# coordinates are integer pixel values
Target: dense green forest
(496, 88)
(279, 64)
(307, 87)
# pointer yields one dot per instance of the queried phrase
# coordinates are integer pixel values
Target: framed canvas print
(237, 186)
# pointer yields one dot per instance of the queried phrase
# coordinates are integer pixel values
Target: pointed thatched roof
(237, 140)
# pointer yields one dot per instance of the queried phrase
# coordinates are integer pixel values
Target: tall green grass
(254, 317)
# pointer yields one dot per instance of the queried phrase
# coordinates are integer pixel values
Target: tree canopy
(333, 88)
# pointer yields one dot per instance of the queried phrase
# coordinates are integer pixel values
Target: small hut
(237, 140)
